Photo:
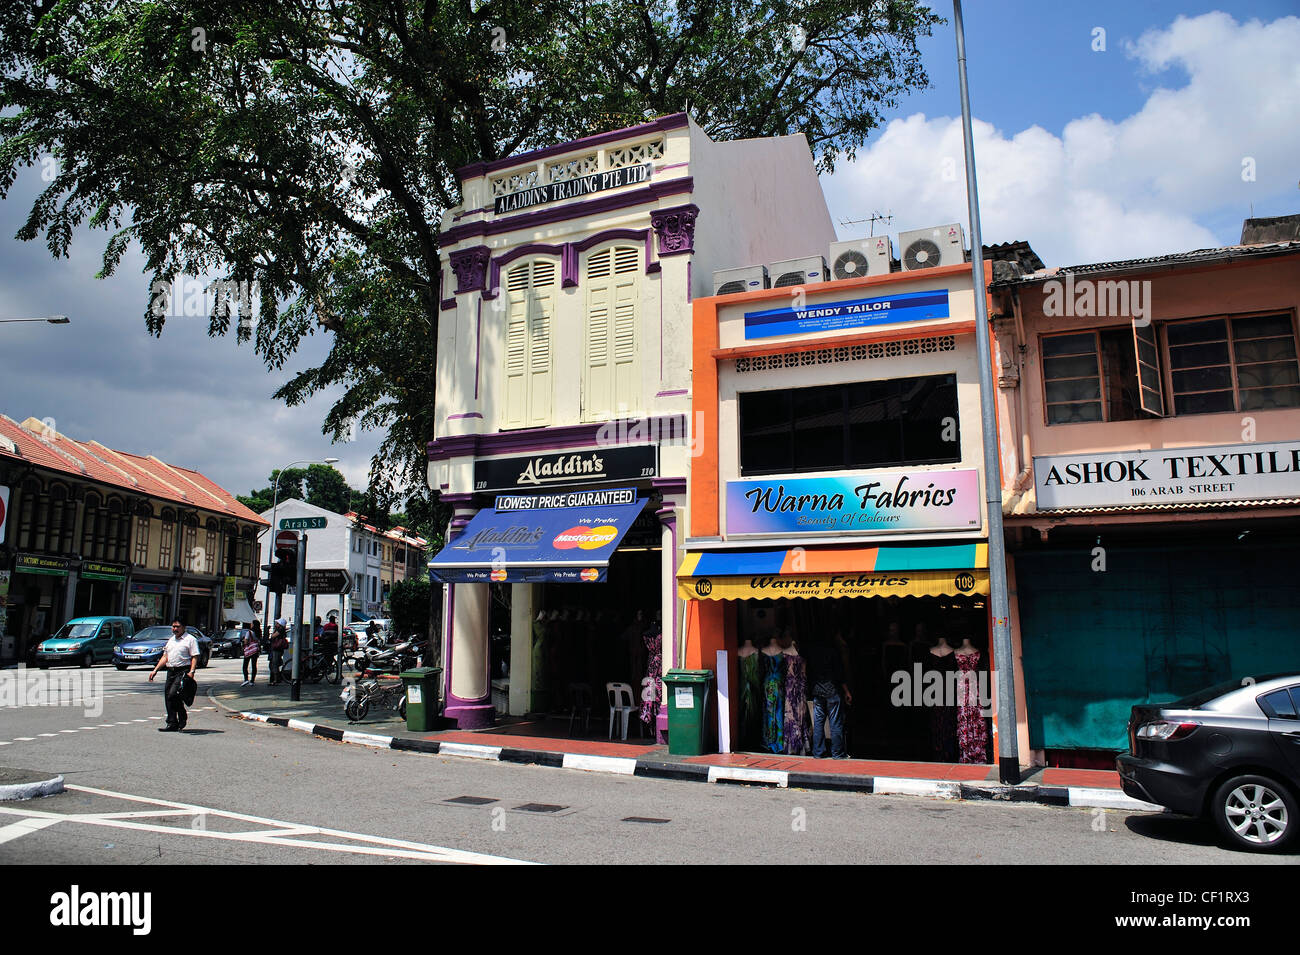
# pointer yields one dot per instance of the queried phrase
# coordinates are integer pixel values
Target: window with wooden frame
(611, 382)
(190, 555)
(165, 545)
(1247, 363)
(142, 540)
(1093, 376)
(530, 290)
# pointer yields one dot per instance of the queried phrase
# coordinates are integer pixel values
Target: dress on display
(773, 702)
(943, 717)
(751, 694)
(540, 662)
(796, 704)
(971, 736)
(654, 677)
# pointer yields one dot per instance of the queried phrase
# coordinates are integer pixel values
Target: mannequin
(943, 711)
(972, 737)
(796, 696)
(650, 703)
(539, 703)
(772, 670)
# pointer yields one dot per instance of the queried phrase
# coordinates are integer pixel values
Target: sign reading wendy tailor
(569, 188)
(831, 316)
(907, 501)
(1233, 472)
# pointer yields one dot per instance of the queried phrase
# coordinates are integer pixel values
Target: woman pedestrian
(252, 648)
(279, 643)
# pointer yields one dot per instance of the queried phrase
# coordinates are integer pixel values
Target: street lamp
(52, 319)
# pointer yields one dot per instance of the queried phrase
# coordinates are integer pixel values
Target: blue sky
(1089, 155)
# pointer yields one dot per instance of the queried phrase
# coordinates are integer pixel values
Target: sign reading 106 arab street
(301, 523)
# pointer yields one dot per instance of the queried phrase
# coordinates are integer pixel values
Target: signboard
(899, 583)
(589, 466)
(146, 588)
(93, 570)
(228, 594)
(300, 524)
(4, 511)
(40, 564)
(571, 188)
(836, 316)
(869, 502)
(286, 540)
(325, 580)
(1233, 472)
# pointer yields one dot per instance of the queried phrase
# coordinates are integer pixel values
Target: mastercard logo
(587, 538)
(591, 573)
(498, 575)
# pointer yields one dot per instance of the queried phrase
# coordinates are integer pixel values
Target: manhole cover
(539, 807)
(469, 800)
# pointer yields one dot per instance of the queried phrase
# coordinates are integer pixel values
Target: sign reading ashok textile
(833, 316)
(570, 188)
(1234, 472)
(899, 501)
(586, 466)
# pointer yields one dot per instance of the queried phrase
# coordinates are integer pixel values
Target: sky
(1103, 131)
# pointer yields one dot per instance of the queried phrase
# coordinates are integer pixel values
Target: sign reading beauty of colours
(569, 188)
(899, 501)
(832, 316)
(1234, 472)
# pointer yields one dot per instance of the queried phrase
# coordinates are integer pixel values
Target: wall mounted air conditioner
(861, 257)
(931, 248)
(811, 268)
(731, 281)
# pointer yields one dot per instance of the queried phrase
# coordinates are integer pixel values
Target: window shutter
(539, 354)
(599, 390)
(611, 384)
(516, 380)
(626, 392)
(530, 291)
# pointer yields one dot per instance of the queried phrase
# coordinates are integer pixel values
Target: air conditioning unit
(861, 257)
(931, 248)
(811, 268)
(731, 281)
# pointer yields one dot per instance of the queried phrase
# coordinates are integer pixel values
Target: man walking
(181, 656)
(830, 692)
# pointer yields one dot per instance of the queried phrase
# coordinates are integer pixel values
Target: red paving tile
(523, 741)
(1091, 778)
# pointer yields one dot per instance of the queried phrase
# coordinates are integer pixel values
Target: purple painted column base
(470, 714)
(661, 725)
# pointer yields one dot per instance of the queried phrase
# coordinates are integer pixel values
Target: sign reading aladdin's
(832, 316)
(569, 188)
(899, 501)
(1235, 472)
(567, 467)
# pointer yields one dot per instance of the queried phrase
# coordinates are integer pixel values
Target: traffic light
(275, 581)
(287, 564)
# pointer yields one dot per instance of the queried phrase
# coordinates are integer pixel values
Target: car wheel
(120, 666)
(1255, 813)
(203, 661)
(87, 660)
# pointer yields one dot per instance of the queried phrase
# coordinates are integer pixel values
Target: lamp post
(51, 319)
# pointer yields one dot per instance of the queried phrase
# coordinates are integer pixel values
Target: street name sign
(301, 523)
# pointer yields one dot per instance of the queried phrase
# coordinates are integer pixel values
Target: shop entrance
(917, 669)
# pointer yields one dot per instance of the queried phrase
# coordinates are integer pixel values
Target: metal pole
(270, 559)
(1008, 756)
(338, 650)
(295, 688)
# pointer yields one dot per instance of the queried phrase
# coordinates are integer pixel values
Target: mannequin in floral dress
(796, 697)
(772, 666)
(654, 676)
(751, 693)
(971, 736)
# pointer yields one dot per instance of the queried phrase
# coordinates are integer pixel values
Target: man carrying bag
(181, 657)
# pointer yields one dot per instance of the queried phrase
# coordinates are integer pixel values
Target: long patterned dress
(796, 704)
(654, 677)
(943, 717)
(971, 736)
(773, 702)
(751, 694)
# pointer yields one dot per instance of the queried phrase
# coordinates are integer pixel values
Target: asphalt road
(236, 792)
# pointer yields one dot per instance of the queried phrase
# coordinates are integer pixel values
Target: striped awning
(889, 570)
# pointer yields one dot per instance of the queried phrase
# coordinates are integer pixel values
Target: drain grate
(648, 819)
(539, 807)
(470, 801)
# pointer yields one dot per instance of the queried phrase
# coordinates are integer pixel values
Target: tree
(318, 484)
(310, 146)
(410, 606)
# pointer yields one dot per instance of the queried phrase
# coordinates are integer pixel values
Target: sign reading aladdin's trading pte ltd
(1233, 472)
(879, 503)
(833, 316)
(569, 188)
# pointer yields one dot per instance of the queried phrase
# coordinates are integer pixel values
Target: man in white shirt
(180, 655)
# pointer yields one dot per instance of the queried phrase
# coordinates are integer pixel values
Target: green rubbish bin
(421, 689)
(688, 703)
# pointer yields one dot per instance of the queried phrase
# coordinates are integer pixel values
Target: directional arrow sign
(301, 523)
(327, 581)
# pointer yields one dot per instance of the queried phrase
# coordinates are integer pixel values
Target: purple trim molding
(675, 229)
(478, 345)
(469, 212)
(668, 485)
(637, 235)
(669, 394)
(533, 439)
(564, 213)
(470, 266)
(569, 266)
(532, 248)
(470, 714)
(447, 304)
(464, 414)
(668, 518)
(663, 124)
(689, 263)
(448, 629)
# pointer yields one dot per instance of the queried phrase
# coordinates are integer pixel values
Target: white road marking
(140, 721)
(278, 833)
(24, 827)
(5, 743)
(47, 734)
(23, 739)
(86, 727)
(67, 731)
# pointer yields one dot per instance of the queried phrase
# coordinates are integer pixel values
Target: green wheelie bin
(420, 687)
(688, 703)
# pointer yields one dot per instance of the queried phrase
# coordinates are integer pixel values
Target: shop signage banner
(898, 501)
(228, 594)
(92, 570)
(588, 466)
(834, 316)
(1234, 472)
(915, 583)
(571, 188)
(146, 588)
(4, 511)
(40, 564)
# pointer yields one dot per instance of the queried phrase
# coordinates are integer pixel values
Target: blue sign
(833, 316)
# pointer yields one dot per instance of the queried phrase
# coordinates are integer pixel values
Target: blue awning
(540, 538)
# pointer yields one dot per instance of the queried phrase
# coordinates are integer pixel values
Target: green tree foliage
(409, 600)
(311, 146)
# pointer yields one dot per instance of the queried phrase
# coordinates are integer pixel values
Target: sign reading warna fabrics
(833, 316)
(897, 501)
(1233, 472)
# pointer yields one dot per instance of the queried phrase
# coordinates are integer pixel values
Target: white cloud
(1107, 189)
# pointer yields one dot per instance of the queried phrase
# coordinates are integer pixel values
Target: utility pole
(295, 689)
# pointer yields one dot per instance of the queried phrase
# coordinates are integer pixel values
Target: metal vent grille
(830, 356)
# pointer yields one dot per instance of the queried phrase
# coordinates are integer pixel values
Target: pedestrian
(252, 648)
(181, 655)
(830, 693)
(279, 643)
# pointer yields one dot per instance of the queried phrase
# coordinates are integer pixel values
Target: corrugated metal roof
(1195, 257)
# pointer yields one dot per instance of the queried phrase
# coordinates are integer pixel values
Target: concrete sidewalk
(320, 712)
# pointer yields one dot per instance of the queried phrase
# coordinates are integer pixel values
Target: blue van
(84, 641)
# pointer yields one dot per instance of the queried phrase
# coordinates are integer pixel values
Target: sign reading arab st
(587, 466)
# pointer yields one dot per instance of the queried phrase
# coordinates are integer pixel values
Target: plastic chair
(622, 704)
(580, 698)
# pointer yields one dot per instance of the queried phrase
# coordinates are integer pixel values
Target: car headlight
(1165, 730)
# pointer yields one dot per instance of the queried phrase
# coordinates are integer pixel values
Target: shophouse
(1150, 417)
(838, 502)
(564, 392)
(85, 529)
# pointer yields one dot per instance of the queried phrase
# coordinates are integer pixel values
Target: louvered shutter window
(611, 385)
(530, 292)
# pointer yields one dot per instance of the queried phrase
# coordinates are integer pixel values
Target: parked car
(1230, 753)
(83, 641)
(228, 643)
(146, 647)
